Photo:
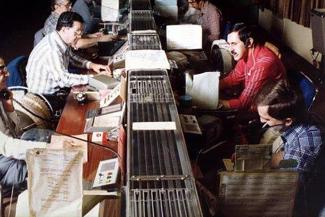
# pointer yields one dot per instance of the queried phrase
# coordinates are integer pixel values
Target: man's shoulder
(305, 131)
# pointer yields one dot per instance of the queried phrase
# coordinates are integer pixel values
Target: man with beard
(256, 64)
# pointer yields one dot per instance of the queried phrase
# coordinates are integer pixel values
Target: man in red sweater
(256, 64)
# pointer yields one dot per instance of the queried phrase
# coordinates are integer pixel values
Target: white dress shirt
(47, 67)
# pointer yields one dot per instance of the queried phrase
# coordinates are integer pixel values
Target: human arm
(93, 39)
(235, 77)
(16, 148)
(304, 146)
(276, 159)
(60, 73)
(254, 78)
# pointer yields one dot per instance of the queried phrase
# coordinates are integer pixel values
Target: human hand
(101, 69)
(79, 88)
(105, 38)
(224, 104)
(6, 97)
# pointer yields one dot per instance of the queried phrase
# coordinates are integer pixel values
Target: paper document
(146, 59)
(54, 182)
(110, 10)
(204, 89)
(184, 37)
(66, 142)
(268, 194)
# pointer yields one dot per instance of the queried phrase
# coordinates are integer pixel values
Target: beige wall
(297, 37)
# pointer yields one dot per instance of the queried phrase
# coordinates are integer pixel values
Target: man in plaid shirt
(278, 104)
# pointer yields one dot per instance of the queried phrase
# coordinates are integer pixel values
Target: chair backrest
(273, 48)
(17, 70)
(306, 86)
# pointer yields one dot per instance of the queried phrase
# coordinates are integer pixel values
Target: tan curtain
(295, 10)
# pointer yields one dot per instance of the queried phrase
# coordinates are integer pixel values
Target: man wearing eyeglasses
(86, 41)
(47, 66)
(13, 169)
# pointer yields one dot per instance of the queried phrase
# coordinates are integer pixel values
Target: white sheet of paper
(62, 142)
(184, 37)
(110, 10)
(108, 120)
(204, 89)
(168, 125)
(146, 59)
(52, 174)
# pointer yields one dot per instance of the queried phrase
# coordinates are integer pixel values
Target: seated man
(279, 105)
(88, 40)
(47, 67)
(86, 9)
(256, 64)
(210, 19)
(13, 170)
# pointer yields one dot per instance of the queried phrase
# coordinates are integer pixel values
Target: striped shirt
(303, 143)
(47, 67)
(261, 66)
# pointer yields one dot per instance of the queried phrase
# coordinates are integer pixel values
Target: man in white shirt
(47, 67)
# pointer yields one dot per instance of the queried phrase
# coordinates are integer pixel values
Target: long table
(72, 122)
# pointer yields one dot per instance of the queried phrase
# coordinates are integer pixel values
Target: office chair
(305, 85)
(17, 70)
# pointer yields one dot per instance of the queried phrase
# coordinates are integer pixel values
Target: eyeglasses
(3, 68)
(78, 32)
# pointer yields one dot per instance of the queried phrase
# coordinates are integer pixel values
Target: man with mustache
(256, 64)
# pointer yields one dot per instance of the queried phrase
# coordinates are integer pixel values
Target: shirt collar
(61, 44)
(290, 133)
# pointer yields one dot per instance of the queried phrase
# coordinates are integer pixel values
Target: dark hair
(55, 2)
(283, 100)
(245, 32)
(67, 18)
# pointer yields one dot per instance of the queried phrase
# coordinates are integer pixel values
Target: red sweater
(261, 66)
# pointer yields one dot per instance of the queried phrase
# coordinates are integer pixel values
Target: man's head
(3, 74)
(279, 103)
(241, 39)
(197, 4)
(70, 27)
(60, 6)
